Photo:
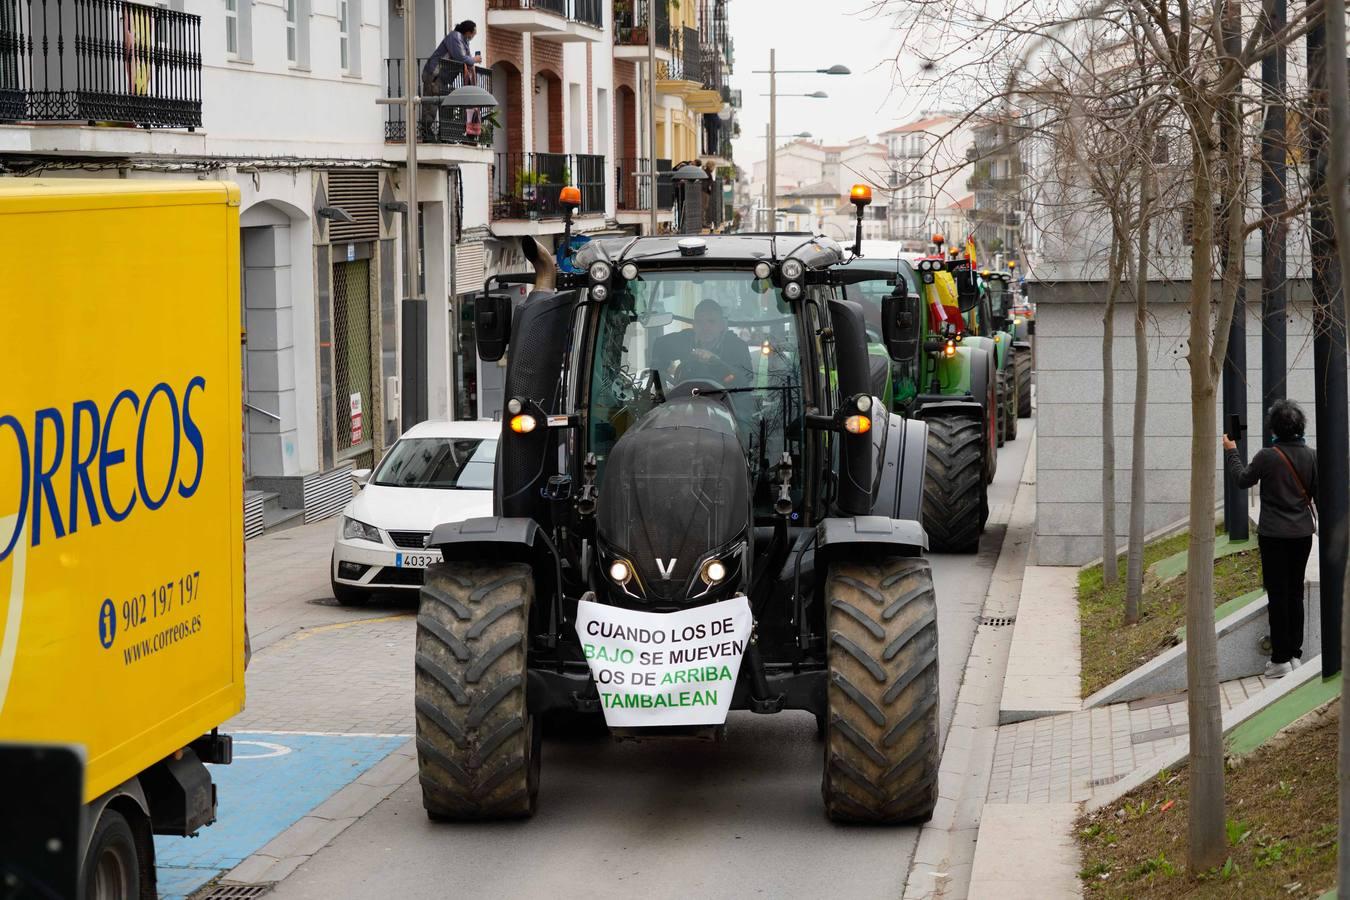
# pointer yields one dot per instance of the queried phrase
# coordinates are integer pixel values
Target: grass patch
(1110, 650)
(1281, 828)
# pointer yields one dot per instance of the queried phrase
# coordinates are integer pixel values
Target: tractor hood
(675, 493)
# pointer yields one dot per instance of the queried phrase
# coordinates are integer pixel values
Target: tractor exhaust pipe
(545, 269)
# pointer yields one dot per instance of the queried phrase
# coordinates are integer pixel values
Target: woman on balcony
(451, 61)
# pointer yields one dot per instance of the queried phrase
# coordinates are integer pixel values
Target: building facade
(282, 99)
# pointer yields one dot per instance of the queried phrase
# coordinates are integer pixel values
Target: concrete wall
(1069, 390)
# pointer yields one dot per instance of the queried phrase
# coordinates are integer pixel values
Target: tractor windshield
(997, 290)
(670, 333)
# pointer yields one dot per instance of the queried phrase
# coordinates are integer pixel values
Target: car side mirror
(492, 325)
(899, 316)
(360, 477)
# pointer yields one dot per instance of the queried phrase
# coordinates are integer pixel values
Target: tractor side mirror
(967, 290)
(899, 324)
(492, 325)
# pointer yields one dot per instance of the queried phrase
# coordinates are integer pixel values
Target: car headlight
(351, 528)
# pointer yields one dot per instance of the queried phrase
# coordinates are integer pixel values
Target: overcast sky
(811, 34)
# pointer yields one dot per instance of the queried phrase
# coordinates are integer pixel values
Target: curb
(944, 857)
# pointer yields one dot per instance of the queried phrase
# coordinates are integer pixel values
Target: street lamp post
(414, 308)
(771, 167)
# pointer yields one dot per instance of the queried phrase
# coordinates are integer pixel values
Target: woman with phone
(1287, 472)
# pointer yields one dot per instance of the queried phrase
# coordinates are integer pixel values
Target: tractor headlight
(599, 292)
(762, 270)
(354, 529)
(600, 271)
(629, 272)
(714, 571)
(793, 290)
(792, 269)
(863, 403)
(514, 406)
(523, 423)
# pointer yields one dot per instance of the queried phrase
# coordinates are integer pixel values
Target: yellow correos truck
(121, 483)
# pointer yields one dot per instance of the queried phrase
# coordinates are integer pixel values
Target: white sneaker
(1278, 670)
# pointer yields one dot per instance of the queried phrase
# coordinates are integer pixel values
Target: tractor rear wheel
(881, 741)
(477, 744)
(1022, 360)
(953, 485)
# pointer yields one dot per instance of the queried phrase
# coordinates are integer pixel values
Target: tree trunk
(1134, 564)
(1110, 565)
(1206, 823)
(1338, 169)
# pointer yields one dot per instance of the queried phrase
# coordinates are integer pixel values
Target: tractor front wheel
(478, 746)
(953, 485)
(1022, 360)
(881, 740)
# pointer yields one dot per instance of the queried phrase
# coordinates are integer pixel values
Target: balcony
(631, 18)
(558, 20)
(100, 61)
(436, 125)
(633, 185)
(528, 186)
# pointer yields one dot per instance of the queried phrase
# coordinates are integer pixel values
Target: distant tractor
(941, 378)
(689, 421)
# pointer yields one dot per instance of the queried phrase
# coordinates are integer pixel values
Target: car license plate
(416, 560)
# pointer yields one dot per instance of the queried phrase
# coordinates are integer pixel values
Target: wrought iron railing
(588, 12)
(436, 124)
(588, 173)
(633, 184)
(631, 20)
(100, 61)
(529, 185)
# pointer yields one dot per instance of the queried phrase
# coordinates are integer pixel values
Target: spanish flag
(970, 248)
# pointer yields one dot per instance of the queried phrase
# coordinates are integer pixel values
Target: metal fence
(528, 185)
(633, 184)
(589, 174)
(589, 12)
(100, 61)
(630, 24)
(437, 124)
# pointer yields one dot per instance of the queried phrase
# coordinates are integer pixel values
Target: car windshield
(670, 332)
(444, 463)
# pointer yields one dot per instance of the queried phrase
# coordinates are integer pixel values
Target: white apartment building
(929, 167)
(280, 96)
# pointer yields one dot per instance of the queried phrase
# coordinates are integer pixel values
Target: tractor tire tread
(952, 483)
(881, 742)
(477, 744)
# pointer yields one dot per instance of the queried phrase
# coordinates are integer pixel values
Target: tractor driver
(709, 351)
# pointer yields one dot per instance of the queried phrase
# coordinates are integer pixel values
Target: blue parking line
(274, 781)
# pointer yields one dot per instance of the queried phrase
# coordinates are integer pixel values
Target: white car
(437, 472)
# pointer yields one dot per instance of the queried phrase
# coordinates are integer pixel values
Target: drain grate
(1100, 782)
(235, 891)
(997, 621)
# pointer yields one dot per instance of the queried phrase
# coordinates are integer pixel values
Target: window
(344, 34)
(232, 27)
(292, 33)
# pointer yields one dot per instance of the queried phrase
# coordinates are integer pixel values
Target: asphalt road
(666, 819)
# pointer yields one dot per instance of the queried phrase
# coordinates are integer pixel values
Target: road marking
(9, 647)
(269, 750)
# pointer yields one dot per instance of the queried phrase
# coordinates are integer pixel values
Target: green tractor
(941, 375)
(994, 333)
(696, 486)
(998, 288)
